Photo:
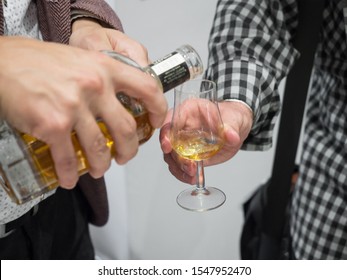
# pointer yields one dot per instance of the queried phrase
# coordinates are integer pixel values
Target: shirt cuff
(239, 101)
(78, 14)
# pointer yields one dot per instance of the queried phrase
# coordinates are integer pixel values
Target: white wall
(145, 221)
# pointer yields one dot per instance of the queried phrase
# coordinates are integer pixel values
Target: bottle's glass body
(26, 166)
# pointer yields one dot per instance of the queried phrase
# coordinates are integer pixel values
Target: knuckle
(163, 109)
(142, 49)
(71, 102)
(60, 125)
(152, 86)
(123, 158)
(65, 166)
(91, 82)
(98, 170)
(99, 146)
(127, 128)
(47, 130)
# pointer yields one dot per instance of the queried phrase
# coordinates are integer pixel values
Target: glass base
(201, 200)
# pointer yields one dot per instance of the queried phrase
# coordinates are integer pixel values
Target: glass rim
(181, 87)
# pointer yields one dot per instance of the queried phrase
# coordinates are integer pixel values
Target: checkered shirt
(250, 51)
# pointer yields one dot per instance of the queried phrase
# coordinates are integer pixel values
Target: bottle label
(17, 176)
(172, 70)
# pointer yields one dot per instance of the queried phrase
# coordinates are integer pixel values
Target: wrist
(83, 22)
(237, 115)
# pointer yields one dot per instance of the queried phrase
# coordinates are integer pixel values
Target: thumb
(164, 138)
(232, 137)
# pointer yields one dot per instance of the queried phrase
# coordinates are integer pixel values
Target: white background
(145, 221)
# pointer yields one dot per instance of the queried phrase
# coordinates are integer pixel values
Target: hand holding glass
(197, 134)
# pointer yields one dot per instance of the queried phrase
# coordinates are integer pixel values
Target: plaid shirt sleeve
(250, 52)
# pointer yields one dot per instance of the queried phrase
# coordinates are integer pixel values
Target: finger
(187, 166)
(65, 161)
(122, 127)
(123, 44)
(94, 145)
(138, 84)
(176, 171)
(232, 137)
(231, 147)
(164, 138)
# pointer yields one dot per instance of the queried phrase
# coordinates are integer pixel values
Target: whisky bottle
(26, 166)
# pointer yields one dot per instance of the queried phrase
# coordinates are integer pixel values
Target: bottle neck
(170, 71)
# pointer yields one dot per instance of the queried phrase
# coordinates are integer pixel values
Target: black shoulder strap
(297, 84)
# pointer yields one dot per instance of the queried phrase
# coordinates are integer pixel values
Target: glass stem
(200, 176)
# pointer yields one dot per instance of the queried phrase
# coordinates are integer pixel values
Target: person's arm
(87, 33)
(250, 52)
(63, 88)
(88, 16)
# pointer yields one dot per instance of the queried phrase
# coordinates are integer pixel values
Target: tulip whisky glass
(196, 134)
